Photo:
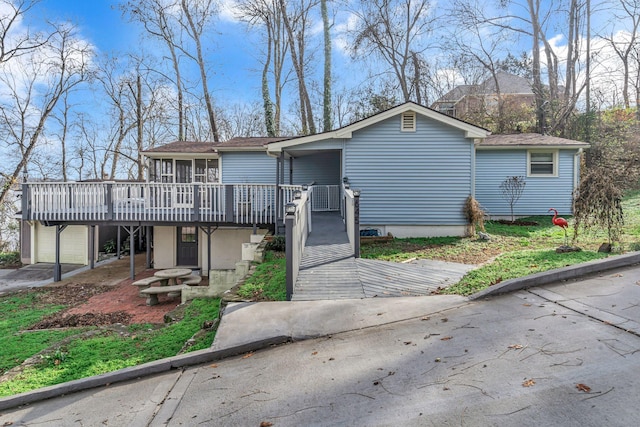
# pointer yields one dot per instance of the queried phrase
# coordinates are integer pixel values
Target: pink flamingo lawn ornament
(560, 222)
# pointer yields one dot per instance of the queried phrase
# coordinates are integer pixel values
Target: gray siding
(259, 168)
(540, 193)
(248, 168)
(410, 178)
(323, 168)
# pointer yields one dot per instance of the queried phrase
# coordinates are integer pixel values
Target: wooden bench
(147, 282)
(191, 280)
(152, 292)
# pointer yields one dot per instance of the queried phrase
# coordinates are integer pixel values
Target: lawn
(56, 356)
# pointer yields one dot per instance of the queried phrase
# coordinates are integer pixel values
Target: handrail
(297, 229)
(153, 202)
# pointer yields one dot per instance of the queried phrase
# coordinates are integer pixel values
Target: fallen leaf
(516, 346)
(213, 366)
(426, 318)
(527, 305)
(407, 342)
(528, 383)
(266, 424)
(617, 275)
(314, 353)
(445, 338)
(376, 383)
(583, 387)
(248, 355)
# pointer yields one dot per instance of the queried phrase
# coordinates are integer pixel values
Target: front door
(187, 246)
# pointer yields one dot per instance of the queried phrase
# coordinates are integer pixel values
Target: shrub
(278, 244)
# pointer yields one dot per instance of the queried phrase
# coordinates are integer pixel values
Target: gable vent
(408, 122)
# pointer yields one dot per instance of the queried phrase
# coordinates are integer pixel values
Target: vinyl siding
(410, 178)
(540, 194)
(253, 167)
(323, 168)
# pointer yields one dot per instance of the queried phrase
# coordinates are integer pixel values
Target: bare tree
(33, 85)
(395, 31)
(511, 190)
(326, 99)
(296, 21)
(158, 19)
(268, 14)
(198, 14)
(624, 43)
(12, 42)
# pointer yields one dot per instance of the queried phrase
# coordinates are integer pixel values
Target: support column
(118, 240)
(356, 223)
(57, 268)
(92, 246)
(132, 252)
(148, 245)
(289, 222)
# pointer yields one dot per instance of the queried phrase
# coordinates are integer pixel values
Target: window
(542, 163)
(188, 235)
(184, 171)
(408, 123)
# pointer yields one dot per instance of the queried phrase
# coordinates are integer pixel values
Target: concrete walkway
(329, 271)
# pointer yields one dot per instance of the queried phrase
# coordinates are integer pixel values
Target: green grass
(517, 264)
(268, 283)
(105, 352)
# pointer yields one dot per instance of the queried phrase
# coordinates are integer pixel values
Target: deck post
(92, 244)
(132, 252)
(118, 244)
(148, 245)
(356, 223)
(26, 215)
(196, 203)
(278, 193)
(109, 201)
(57, 268)
(228, 203)
(289, 220)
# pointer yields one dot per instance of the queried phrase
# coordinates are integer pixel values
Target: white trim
(555, 159)
(471, 131)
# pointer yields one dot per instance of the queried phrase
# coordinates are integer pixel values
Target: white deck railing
(152, 202)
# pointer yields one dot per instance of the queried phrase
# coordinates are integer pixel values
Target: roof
(208, 147)
(346, 132)
(184, 147)
(509, 83)
(521, 140)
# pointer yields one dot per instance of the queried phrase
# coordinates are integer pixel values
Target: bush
(278, 244)
(10, 258)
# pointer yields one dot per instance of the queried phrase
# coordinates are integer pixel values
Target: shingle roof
(184, 147)
(509, 83)
(529, 139)
(211, 147)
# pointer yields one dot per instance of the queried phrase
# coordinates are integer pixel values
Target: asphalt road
(562, 354)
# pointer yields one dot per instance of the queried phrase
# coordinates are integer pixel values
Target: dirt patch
(86, 319)
(71, 294)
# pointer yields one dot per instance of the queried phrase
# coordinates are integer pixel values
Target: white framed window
(541, 163)
(408, 121)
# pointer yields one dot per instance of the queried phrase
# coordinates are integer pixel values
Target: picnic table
(172, 274)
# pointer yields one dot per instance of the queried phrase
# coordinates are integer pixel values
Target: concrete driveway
(32, 275)
(561, 354)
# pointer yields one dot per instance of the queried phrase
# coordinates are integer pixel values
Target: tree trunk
(326, 122)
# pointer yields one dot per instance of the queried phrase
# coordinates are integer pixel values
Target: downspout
(473, 168)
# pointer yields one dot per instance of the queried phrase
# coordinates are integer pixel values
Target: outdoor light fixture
(356, 193)
(345, 179)
(290, 208)
(297, 194)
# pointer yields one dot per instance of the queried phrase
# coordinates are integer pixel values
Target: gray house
(415, 168)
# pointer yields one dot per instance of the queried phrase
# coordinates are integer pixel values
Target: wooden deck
(328, 269)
